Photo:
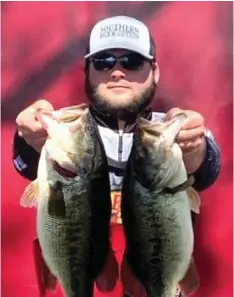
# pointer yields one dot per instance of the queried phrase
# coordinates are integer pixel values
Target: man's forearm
(194, 160)
(209, 170)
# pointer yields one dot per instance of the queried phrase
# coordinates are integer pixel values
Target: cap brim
(150, 57)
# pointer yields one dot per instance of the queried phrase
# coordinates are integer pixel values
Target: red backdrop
(42, 48)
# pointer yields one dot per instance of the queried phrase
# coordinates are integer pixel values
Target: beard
(120, 111)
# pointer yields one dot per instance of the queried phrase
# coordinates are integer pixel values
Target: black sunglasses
(105, 62)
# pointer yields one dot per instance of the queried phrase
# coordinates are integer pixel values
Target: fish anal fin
(45, 279)
(56, 203)
(129, 281)
(49, 279)
(191, 281)
(107, 279)
(31, 195)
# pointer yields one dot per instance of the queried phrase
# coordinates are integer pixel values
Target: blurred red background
(43, 44)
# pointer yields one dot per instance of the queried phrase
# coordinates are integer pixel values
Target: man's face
(119, 91)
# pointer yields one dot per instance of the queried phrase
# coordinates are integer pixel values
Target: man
(122, 74)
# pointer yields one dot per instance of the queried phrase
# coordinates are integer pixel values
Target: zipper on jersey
(120, 147)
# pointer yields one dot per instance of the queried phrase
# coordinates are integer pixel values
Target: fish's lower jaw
(54, 151)
(179, 175)
(149, 138)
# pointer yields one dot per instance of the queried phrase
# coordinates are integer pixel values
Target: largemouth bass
(156, 209)
(72, 197)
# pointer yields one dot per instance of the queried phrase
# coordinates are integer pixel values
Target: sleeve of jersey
(25, 158)
(209, 171)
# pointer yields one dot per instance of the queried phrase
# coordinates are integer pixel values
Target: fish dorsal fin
(194, 200)
(30, 195)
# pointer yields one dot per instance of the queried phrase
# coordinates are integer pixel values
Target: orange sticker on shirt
(116, 207)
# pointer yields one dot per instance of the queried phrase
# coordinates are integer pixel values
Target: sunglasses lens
(104, 63)
(132, 61)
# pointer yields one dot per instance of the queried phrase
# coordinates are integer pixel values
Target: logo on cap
(119, 30)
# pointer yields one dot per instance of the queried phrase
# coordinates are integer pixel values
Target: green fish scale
(155, 234)
(75, 247)
(66, 240)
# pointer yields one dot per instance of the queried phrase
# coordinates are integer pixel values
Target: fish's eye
(90, 129)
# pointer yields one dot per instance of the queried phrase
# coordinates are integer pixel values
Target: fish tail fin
(107, 279)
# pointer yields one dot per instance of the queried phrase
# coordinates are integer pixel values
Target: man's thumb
(171, 113)
(42, 104)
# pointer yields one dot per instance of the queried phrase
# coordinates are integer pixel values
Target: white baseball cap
(121, 32)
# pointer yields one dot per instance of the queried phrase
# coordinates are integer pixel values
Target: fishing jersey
(117, 145)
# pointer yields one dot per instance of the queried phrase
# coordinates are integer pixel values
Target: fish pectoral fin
(56, 203)
(194, 200)
(30, 195)
(190, 283)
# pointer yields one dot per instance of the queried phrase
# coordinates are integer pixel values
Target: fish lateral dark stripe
(79, 246)
(56, 203)
(101, 215)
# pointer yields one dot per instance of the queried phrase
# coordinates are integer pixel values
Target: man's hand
(28, 126)
(191, 138)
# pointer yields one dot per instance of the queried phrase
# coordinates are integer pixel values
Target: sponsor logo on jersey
(116, 207)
